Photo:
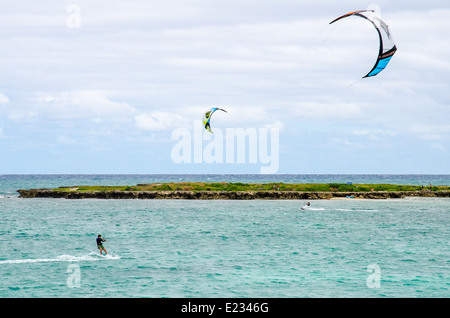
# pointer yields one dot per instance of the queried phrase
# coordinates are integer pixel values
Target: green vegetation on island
(229, 186)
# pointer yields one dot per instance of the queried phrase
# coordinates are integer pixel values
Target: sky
(120, 87)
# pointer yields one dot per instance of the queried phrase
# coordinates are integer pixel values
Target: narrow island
(240, 191)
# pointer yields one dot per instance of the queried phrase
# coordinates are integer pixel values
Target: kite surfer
(100, 246)
(306, 206)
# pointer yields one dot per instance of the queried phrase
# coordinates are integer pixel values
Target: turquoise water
(179, 248)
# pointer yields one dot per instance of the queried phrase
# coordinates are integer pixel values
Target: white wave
(64, 258)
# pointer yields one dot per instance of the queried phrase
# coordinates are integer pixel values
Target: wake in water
(357, 210)
(308, 208)
(64, 258)
(312, 209)
(8, 196)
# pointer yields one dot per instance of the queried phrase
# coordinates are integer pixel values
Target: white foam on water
(8, 196)
(357, 210)
(64, 258)
(308, 208)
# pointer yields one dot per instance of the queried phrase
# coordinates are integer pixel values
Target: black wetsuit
(99, 242)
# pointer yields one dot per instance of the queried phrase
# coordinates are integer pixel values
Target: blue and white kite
(387, 45)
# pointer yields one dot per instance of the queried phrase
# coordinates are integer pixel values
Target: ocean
(223, 248)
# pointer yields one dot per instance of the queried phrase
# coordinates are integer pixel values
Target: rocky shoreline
(227, 195)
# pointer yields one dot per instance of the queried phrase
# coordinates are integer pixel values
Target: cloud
(3, 99)
(439, 147)
(67, 140)
(375, 135)
(94, 106)
(76, 118)
(326, 111)
(430, 132)
(247, 116)
(160, 121)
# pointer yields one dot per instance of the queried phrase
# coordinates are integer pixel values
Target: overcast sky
(96, 86)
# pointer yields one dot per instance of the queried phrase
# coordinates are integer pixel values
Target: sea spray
(63, 258)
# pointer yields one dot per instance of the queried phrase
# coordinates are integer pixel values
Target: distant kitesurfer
(100, 245)
(306, 206)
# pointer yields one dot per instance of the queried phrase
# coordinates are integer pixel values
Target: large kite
(387, 45)
(207, 118)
